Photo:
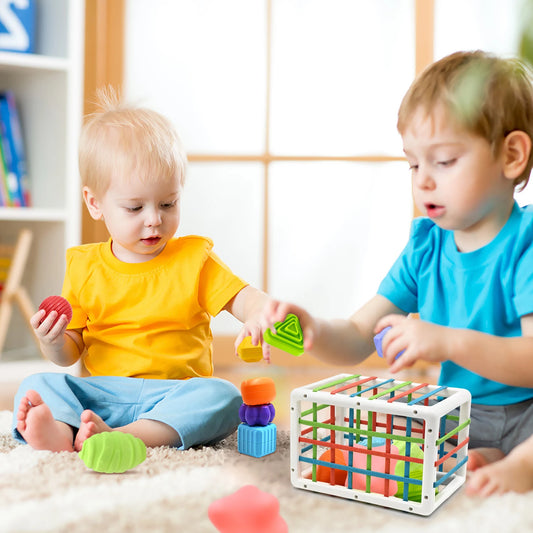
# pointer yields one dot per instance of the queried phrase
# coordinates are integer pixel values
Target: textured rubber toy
(289, 336)
(378, 340)
(112, 452)
(257, 415)
(56, 303)
(248, 352)
(258, 391)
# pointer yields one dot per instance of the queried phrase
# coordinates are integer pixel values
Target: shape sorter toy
(393, 443)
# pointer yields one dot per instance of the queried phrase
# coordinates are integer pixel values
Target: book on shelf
(15, 190)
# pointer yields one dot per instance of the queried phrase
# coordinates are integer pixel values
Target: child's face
(457, 181)
(140, 217)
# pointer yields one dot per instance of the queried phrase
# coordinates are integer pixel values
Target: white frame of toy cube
(446, 400)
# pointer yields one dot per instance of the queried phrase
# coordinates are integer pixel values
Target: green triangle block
(288, 337)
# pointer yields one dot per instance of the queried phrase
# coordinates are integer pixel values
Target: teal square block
(257, 441)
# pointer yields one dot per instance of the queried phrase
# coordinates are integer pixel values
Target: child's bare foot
(39, 428)
(513, 473)
(480, 457)
(507, 475)
(90, 424)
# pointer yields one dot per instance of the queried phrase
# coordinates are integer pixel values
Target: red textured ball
(56, 303)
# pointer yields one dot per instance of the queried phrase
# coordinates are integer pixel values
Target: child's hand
(421, 340)
(46, 331)
(254, 328)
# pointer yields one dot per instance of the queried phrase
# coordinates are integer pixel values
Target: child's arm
(340, 341)
(58, 345)
(504, 359)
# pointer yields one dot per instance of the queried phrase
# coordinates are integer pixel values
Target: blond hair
(482, 93)
(121, 140)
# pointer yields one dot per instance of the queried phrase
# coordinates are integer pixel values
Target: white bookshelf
(48, 87)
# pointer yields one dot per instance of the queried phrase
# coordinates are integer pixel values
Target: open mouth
(434, 211)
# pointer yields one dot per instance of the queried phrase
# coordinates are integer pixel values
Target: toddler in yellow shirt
(142, 303)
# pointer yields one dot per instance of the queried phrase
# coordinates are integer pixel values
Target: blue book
(15, 152)
(5, 199)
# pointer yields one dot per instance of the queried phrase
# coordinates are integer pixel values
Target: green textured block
(289, 336)
(112, 452)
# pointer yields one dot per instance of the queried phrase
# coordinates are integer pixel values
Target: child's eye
(413, 168)
(134, 209)
(446, 163)
(169, 205)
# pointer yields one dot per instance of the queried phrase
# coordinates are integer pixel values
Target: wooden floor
(285, 378)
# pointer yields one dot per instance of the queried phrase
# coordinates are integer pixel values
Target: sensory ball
(56, 303)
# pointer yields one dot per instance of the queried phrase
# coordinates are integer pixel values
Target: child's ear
(516, 150)
(92, 203)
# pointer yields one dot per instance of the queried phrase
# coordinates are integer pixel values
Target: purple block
(378, 339)
(257, 415)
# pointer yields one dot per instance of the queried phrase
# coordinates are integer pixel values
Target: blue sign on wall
(17, 25)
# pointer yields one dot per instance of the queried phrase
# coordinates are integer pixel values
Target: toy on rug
(385, 459)
(289, 336)
(248, 352)
(58, 304)
(112, 452)
(378, 340)
(388, 442)
(256, 436)
(248, 509)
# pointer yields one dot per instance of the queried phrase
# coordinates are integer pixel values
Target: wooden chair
(13, 260)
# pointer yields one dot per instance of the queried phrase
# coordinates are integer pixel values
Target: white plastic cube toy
(392, 443)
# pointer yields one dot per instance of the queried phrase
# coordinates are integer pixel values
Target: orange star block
(248, 509)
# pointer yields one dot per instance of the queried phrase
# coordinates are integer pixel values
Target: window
(287, 109)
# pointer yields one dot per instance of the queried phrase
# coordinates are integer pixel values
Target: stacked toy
(257, 434)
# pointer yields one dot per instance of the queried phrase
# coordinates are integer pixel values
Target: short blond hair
(121, 140)
(486, 95)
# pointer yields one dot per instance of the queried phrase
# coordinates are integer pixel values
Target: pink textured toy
(56, 303)
(248, 509)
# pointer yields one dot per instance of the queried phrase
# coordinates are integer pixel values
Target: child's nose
(423, 179)
(153, 218)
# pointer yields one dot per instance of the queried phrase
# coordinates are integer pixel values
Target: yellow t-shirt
(151, 319)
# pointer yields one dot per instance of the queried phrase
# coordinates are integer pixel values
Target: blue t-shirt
(486, 290)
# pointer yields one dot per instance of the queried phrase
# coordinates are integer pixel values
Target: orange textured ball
(56, 303)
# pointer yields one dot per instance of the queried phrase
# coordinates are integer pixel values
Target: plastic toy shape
(248, 509)
(258, 391)
(257, 441)
(289, 336)
(378, 485)
(112, 452)
(56, 303)
(378, 340)
(248, 352)
(257, 415)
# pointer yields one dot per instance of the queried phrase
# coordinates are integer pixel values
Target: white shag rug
(172, 490)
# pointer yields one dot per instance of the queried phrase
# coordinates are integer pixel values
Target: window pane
(335, 230)
(339, 71)
(490, 25)
(201, 63)
(224, 201)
